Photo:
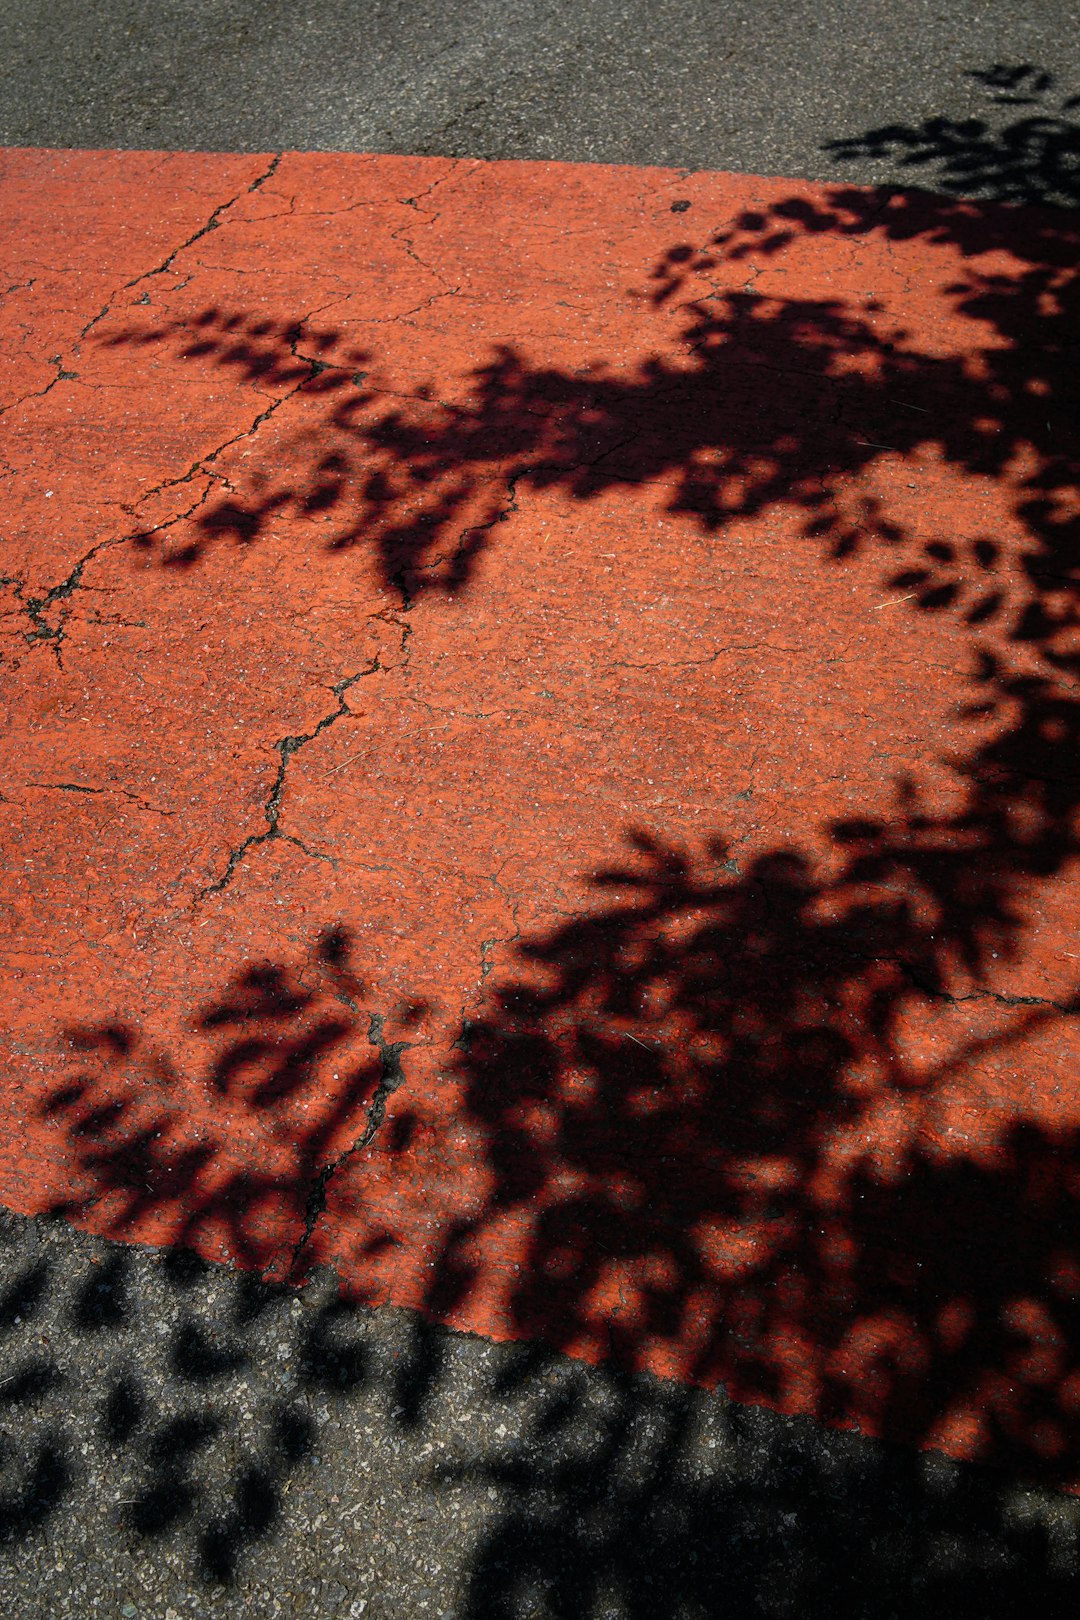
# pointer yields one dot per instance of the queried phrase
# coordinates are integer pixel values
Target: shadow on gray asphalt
(168, 1423)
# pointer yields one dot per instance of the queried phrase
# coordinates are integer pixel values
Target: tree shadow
(419, 485)
(701, 1108)
(290, 1080)
(182, 1407)
(1033, 159)
(645, 1505)
(148, 1363)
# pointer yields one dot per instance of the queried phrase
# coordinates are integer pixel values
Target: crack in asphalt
(79, 787)
(286, 748)
(467, 543)
(406, 241)
(487, 946)
(202, 463)
(166, 264)
(37, 606)
(391, 1077)
(39, 393)
(1002, 997)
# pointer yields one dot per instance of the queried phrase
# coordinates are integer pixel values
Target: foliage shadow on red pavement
(685, 1054)
(677, 1064)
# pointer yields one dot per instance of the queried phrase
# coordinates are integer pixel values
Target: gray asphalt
(180, 1441)
(176, 1440)
(761, 86)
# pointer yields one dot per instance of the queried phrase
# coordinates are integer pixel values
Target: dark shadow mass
(297, 1470)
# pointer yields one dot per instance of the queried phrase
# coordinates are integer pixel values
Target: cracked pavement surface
(540, 890)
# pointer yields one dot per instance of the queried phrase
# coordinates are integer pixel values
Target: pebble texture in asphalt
(763, 87)
(179, 1440)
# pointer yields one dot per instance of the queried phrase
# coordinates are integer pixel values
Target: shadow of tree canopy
(149, 1362)
(294, 1089)
(152, 1401)
(1033, 159)
(660, 1087)
(422, 485)
(661, 1095)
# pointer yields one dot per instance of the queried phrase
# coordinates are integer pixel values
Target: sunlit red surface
(541, 761)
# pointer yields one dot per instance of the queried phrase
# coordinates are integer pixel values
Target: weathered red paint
(379, 565)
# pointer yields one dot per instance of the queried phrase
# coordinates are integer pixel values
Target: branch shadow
(1033, 159)
(148, 1363)
(419, 484)
(700, 1106)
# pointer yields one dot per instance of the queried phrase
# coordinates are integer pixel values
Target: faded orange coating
(540, 709)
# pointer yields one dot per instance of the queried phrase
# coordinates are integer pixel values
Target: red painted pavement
(610, 632)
